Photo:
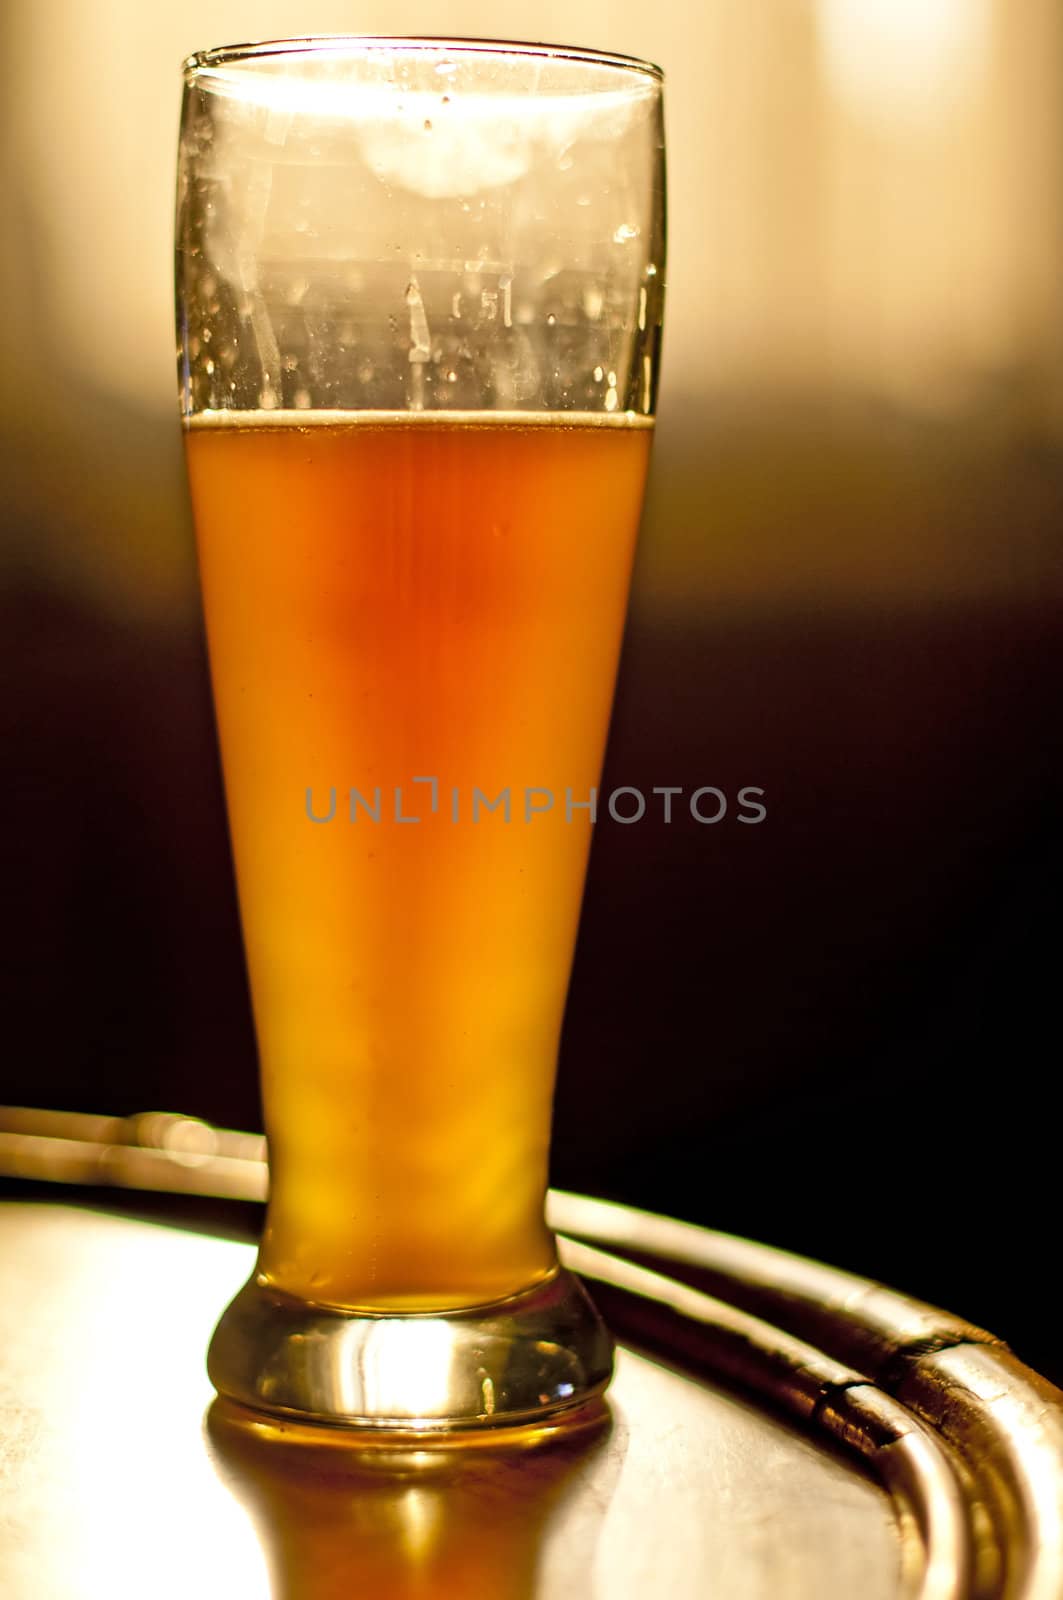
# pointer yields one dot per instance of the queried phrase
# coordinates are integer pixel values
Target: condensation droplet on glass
(598, 374)
(445, 100)
(610, 400)
(452, 376)
(302, 399)
(651, 271)
(626, 231)
(612, 380)
(427, 125)
(551, 319)
(208, 366)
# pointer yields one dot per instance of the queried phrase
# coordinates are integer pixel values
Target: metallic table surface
(118, 1479)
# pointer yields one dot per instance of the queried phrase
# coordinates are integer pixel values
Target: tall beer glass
(419, 295)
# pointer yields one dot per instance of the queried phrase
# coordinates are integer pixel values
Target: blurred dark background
(836, 1030)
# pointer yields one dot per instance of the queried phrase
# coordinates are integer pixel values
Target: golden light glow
(865, 198)
(903, 59)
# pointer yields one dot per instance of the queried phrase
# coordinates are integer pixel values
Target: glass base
(518, 1360)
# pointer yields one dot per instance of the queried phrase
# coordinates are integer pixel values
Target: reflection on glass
(404, 1364)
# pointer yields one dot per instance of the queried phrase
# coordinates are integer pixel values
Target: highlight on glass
(419, 297)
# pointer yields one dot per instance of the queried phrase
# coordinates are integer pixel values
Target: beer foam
(383, 419)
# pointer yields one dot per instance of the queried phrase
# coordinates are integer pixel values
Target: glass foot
(522, 1359)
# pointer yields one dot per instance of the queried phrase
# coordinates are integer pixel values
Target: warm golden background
(836, 1031)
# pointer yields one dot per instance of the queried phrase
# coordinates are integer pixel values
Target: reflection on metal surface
(462, 1523)
(101, 1391)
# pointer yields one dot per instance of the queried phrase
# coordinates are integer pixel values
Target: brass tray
(777, 1429)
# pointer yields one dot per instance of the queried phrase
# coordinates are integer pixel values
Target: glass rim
(367, 43)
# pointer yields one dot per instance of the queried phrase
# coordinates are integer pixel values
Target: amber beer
(393, 598)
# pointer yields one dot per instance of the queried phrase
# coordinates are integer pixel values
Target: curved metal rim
(980, 1414)
(824, 1395)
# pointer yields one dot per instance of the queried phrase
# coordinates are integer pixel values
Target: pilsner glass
(419, 296)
